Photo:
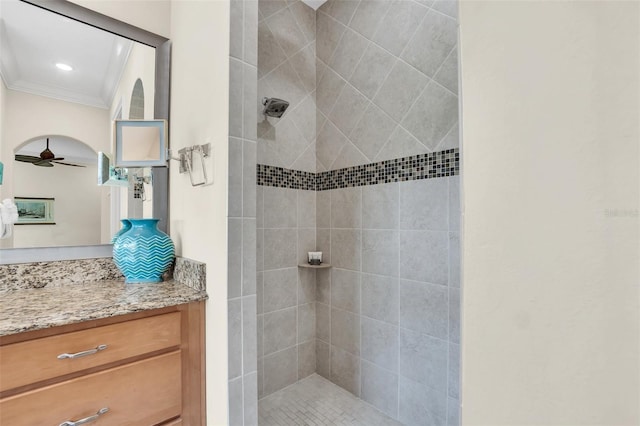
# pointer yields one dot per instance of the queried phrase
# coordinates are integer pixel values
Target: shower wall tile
(280, 289)
(454, 258)
(306, 285)
(345, 248)
(323, 322)
(323, 209)
(453, 412)
(380, 298)
(249, 244)
(236, 28)
(249, 335)
(454, 371)
(424, 308)
(306, 359)
(368, 16)
(400, 90)
(234, 259)
(424, 359)
(250, 398)
(380, 343)
(348, 53)
(249, 195)
(235, 401)
(345, 290)
(380, 388)
(279, 330)
(234, 318)
(328, 34)
(249, 93)
(454, 315)
(306, 243)
(286, 31)
(403, 18)
(380, 252)
(424, 205)
(371, 132)
(345, 208)
(306, 322)
(305, 18)
(432, 115)
(236, 98)
(323, 363)
(280, 370)
(380, 208)
(454, 203)
(448, 75)
(269, 7)
(244, 303)
(323, 286)
(323, 244)
(372, 70)
(340, 10)
(420, 404)
(345, 331)
(424, 256)
(281, 246)
(236, 177)
(345, 370)
(250, 50)
(401, 144)
(432, 43)
(387, 52)
(307, 209)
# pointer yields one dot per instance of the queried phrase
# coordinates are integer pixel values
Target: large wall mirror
(67, 74)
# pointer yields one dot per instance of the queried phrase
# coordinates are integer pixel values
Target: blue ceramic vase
(143, 253)
(126, 225)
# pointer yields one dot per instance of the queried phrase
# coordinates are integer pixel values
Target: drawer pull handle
(83, 353)
(86, 419)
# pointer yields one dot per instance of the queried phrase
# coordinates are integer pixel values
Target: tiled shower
(363, 166)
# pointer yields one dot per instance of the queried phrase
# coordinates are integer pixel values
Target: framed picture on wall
(35, 211)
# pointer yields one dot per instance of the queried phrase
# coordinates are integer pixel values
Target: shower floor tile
(315, 401)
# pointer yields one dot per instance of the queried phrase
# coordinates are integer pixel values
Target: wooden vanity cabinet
(142, 369)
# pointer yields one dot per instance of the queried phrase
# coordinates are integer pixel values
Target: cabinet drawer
(37, 360)
(146, 392)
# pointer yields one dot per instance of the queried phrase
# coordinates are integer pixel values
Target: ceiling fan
(46, 159)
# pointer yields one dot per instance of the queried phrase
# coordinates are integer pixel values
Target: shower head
(274, 107)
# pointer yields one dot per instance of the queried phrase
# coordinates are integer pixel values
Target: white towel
(9, 212)
(8, 216)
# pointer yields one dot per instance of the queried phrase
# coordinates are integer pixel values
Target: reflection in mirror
(69, 179)
(67, 81)
(141, 143)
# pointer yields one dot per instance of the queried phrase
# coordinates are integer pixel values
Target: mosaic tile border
(422, 166)
(285, 178)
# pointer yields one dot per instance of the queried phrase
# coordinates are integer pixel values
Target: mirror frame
(162, 88)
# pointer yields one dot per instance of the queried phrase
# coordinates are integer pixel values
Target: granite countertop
(38, 308)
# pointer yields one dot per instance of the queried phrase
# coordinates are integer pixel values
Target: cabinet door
(37, 360)
(146, 392)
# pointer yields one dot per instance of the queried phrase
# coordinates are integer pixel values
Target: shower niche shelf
(320, 266)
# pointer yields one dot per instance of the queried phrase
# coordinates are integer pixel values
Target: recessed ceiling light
(64, 67)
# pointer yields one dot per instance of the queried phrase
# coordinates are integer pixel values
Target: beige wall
(151, 15)
(199, 114)
(27, 117)
(550, 137)
(140, 65)
(76, 207)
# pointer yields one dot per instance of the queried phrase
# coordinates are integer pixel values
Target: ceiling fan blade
(68, 164)
(27, 158)
(43, 164)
